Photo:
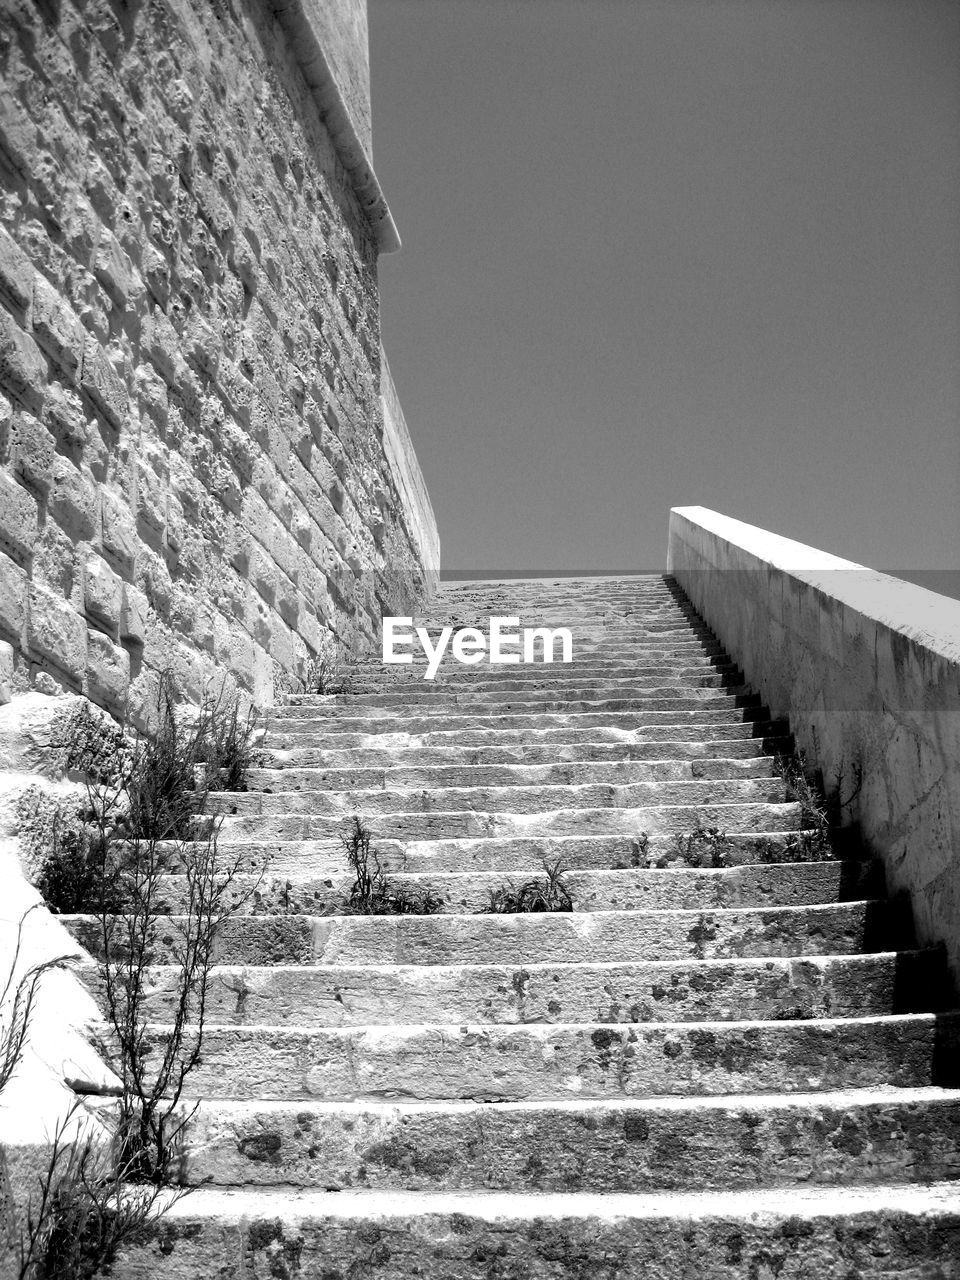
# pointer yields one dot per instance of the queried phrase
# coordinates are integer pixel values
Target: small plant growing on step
(144, 818)
(327, 673)
(812, 843)
(174, 771)
(372, 894)
(85, 1210)
(223, 744)
(702, 847)
(538, 895)
(639, 850)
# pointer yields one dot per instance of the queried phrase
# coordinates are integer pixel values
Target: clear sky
(670, 252)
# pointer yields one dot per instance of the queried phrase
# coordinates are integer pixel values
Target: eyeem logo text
(504, 645)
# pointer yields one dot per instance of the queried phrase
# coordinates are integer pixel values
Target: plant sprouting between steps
(549, 893)
(153, 1066)
(145, 817)
(150, 791)
(709, 846)
(704, 846)
(173, 772)
(372, 894)
(327, 673)
(85, 1210)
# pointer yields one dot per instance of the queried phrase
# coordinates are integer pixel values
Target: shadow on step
(946, 1052)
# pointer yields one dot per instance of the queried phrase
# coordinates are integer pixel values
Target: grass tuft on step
(537, 895)
(372, 894)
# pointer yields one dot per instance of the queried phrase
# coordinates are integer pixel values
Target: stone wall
(414, 498)
(867, 667)
(193, 474)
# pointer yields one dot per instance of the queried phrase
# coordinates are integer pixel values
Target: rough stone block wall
(192, 470)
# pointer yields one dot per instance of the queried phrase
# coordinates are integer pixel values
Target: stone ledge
(304, 38)
(921, 616)
(867, 668)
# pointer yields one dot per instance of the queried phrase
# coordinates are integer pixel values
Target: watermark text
(505, 644)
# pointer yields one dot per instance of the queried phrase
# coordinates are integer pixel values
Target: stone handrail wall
(867, 667)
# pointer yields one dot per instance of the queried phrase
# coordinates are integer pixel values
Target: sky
(675, 252)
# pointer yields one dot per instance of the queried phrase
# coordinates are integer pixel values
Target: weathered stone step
(525, 754)
(573, 773)
(595, 630)
(444, 824)
(738, 727)
(596, 936)
(495, 800)
(704, 719)
(552, 604)
(825, 1139)
(538, 1061)
(586, 656)
(552, 608)
(353, 710)
(304, 892)
(562, 680)
(828, 1233)
(670, 662)
(647, 620)
(764, 989)
(494, 688)
(565, 608)
(301, 859)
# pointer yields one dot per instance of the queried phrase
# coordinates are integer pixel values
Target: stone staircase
(732, 1071)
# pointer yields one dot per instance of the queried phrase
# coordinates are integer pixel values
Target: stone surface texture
(745, 1070)
(867, 668)
(195, 470)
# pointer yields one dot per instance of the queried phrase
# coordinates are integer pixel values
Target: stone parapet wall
(411, 488)
(340, 28)
(192, 466)
(867, 667)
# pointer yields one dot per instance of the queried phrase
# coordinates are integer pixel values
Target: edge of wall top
(319, 76)
(921, 615)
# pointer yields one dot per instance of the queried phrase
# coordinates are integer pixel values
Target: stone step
(556, 604)
(576, 773)
(516, 800)
(764, 989)
(502, 692)
(589, 638)
(830, 1233)
(736, 728)
(685, 751)
(342, 707)
(596, 936)
(816, 1139)
(687, 661)
(553, 607)
(520, 679)
(600, 622)
(303, 891)
(334, 729)
(538, 1061)
(589, 658)
(445, 824)
(322, 856)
